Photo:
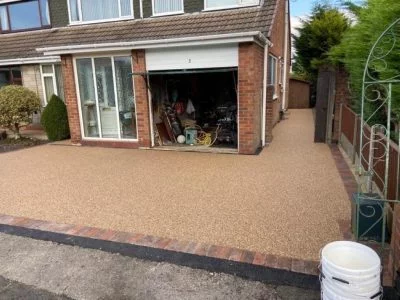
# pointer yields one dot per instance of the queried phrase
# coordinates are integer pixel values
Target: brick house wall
(269, 115)
(31, 79)
(277, 37)
(71, 100)
(277, 50)
(251, 62)
(141, 97)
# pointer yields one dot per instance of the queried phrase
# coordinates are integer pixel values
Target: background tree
(17, 104)
(317, 35)
(373, 17)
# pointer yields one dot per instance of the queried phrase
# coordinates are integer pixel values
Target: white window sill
(168, 14)
(75, 23)
(230, 7)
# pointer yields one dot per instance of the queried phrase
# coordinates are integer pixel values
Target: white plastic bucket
(350, 271)
(362, 285)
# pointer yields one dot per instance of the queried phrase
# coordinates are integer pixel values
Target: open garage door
(194, 97)
(216, 56)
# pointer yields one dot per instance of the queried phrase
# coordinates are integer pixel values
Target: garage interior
(195, 110)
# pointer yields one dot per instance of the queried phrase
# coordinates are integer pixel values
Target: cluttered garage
(194, 108)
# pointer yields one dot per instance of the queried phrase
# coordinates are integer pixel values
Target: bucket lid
(351, 257)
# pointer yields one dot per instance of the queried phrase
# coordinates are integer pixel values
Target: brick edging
(350, 183)
(11, 224)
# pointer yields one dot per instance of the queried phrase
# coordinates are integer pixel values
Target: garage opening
(195, 110)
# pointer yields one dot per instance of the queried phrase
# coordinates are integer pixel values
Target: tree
(373, 17)
(323, 30)
(55, 119)
(17, 104)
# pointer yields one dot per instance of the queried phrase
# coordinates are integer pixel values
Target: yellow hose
(204, 138)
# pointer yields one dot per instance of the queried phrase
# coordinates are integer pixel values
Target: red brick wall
(342, 96)
(71, 100)
(277, 37)
(111, 144)
(269, 116)
(394, 260)
(251, 62)
(141, 97)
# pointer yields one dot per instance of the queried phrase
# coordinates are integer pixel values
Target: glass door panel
(126, 103)
(88, 97)
(106, 97)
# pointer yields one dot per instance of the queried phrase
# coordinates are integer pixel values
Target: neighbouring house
(154, 73)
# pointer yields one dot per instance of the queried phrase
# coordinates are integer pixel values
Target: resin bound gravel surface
(286, 201)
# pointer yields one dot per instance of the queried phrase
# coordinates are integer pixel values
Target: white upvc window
(222, 4)
(167, 7)
(272, 72)
(106, 97)
(52, 81)
(92, 11)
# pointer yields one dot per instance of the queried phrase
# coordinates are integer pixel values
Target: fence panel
(348, 122)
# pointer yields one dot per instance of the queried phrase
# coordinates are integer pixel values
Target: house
(154, 73)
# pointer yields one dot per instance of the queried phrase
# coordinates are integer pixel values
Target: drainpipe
(264, 100)
(285, 74)
(141, 8)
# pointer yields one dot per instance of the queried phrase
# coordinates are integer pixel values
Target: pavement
(287, 201)
(33, 269)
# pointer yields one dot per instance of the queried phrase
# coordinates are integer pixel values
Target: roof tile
(23, 45)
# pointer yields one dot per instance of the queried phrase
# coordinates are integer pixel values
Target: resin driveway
(286, 201)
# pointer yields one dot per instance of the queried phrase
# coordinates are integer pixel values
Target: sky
(299, 9)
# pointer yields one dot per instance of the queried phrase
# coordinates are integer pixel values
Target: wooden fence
(350, 140)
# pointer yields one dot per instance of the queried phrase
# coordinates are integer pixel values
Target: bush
(55, 120)
(17, 104)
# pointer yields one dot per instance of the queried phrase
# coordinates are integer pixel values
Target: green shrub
(55, 120)
(17, 104)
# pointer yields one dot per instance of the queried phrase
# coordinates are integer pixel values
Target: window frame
(274, 72)
(256, 3)
(100, 137)
(54, 79)
(80, 22)
(13, 80)
(167, 13)
(7, 4)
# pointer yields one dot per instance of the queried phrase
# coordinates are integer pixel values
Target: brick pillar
(141, 97)
(251, 64)
(342, 95)
(71, 100)
(394, 259)
(269, 115)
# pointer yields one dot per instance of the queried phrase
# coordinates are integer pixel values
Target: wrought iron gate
(381, 83)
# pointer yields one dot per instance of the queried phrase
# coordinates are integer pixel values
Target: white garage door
(216, 56)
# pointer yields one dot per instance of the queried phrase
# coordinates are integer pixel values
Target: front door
(106, 96)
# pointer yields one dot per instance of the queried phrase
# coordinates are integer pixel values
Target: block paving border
(307, 267)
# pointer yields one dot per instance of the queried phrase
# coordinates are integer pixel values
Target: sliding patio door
(107, 97)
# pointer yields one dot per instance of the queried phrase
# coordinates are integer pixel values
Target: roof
(23, 45)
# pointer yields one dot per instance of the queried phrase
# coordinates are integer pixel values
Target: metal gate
(380, 85)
